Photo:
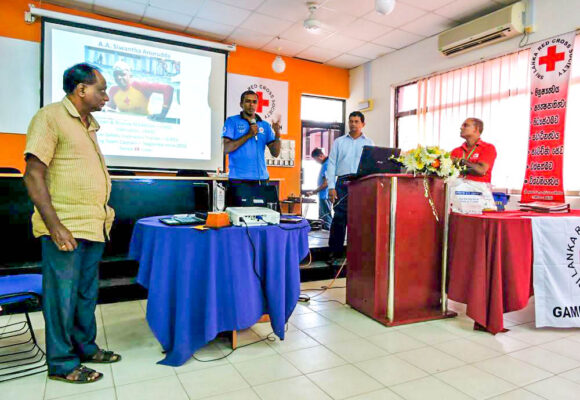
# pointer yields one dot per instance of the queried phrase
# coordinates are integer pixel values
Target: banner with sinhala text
(550, 63)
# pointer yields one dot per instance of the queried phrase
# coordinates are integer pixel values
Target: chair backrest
(9, 170)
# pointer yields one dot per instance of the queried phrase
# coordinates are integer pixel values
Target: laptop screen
(377, 160)
(252, 196)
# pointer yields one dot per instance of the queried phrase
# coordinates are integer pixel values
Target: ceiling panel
(222, 13)
(401, 15)
(347, 61)
(286, 47)
(371, 51)
(352, 31)
(397, 39)
(319, 54)
(265, 24)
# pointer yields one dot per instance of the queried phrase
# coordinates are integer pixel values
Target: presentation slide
(166, 101)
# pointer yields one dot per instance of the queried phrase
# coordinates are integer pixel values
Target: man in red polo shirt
(478, 156)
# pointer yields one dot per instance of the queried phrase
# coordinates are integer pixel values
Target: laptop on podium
(377, 160)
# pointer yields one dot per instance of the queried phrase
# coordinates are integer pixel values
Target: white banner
(556, 243)
(272, 97)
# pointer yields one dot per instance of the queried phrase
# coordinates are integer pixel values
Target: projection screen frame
(221, 49)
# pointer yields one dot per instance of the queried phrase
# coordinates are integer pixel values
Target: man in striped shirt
(68, 182)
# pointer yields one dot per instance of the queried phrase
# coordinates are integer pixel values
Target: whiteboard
(20, 83)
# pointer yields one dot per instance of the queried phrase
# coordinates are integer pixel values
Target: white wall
(553, 17)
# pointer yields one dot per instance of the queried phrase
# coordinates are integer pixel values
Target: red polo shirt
(483, 152)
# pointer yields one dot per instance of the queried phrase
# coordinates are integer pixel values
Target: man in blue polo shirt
(245, 137)
(324, 205)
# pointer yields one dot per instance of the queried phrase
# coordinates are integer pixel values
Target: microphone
(253, 122)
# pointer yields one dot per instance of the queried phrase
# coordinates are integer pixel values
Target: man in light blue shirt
(343, 162)
(245, 137)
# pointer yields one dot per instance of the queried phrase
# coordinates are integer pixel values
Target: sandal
(81, 374)
(103, 357)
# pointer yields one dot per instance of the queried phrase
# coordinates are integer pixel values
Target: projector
(252, 216)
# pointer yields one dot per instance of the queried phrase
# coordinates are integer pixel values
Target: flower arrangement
(430, 160)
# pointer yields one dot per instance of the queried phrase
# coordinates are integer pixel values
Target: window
(431, 110)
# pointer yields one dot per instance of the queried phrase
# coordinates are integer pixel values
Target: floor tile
(330, 333)
(500, 342)
(30, 388)
(244, 394)
(295, 340)
(383, 394)
(266, 369)
(311, 320)
(395, 342)
(161, 388)
(251, 352)
(345, 381)
(459, 326)
(140, 365)
(518, 394)
(105, 394)
(56, 389)
(356, 350)
(391, 370)
(466, 350)
(555, 388)
(564, 347)
(428, 333)
(428, 388)
(430, 359)
(572, 375)
(530, 334)
(291, 389)
(545, 359)
(314, 359)
(512, 370)
(212, 381)
(475, 382)
(208, 356)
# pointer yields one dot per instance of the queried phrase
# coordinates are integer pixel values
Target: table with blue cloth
(202, 283)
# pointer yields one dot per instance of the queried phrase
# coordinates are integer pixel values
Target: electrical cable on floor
(268, 338)
(304, 298)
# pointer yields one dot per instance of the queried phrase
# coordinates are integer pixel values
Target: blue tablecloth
(202, 282)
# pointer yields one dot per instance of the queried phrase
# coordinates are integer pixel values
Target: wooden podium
(396, 257)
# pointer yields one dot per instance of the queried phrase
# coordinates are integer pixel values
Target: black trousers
(338, 227)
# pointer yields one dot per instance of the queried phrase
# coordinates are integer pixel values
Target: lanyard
(470, 153)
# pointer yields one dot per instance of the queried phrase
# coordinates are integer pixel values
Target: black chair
(9, 170)
(20, 357)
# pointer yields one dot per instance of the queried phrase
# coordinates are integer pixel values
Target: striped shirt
(77, 178)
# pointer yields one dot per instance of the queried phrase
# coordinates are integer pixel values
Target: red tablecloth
(490, 263)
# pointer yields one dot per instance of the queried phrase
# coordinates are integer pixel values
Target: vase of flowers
(430, 161)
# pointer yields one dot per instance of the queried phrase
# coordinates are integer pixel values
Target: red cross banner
(272, 97)
(550, 63)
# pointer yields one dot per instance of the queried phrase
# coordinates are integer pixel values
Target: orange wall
(302, 77)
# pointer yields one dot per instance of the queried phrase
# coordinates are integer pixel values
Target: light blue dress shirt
(344, 157)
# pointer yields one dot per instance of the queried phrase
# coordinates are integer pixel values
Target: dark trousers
(325, 212)
(338, 227)
(70, 285)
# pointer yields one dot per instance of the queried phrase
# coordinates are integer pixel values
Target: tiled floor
(331, 352)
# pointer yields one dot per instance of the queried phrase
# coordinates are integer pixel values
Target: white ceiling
(352, 32)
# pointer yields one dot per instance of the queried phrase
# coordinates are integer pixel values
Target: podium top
(402, 176)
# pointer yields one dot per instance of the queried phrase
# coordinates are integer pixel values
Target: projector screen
(167, 99)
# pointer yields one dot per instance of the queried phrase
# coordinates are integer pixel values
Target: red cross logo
(551, 58)
(261, 102)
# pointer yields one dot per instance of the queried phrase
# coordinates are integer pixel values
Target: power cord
(268, 338)
(305, 298)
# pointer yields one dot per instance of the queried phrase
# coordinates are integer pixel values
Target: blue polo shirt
(323, 194)
(248, 161)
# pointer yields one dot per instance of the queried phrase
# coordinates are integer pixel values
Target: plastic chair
(20, 357)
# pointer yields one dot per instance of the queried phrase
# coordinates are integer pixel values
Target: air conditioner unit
(495, 27)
